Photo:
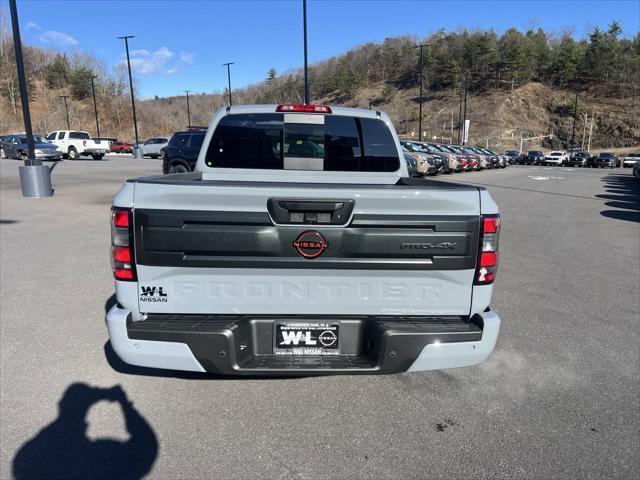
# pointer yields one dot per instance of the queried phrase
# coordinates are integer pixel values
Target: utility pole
(188, 109)
(95, 105)
(460, 119)
(66, 109)
(35, 178)
(575, 113)
(466, 134)
(306, 66)
(228, 65)
(584, 129)
(451, 134)
(421, 90)
(137, 153)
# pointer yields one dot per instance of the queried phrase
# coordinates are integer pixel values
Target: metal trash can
(35, 181)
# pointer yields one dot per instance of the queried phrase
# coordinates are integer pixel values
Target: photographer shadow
(63, 450)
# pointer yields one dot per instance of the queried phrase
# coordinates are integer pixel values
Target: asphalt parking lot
(559, 397)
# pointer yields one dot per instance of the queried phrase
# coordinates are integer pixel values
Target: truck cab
(301, 246)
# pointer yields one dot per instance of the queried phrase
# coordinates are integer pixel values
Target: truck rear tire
(98, 156)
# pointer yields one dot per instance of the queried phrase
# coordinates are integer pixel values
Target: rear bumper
(239, 345)
(49, 156)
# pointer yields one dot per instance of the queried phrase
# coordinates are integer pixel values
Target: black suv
(533, 157)
(181, 153)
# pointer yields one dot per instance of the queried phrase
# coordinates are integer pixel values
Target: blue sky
(182, 44)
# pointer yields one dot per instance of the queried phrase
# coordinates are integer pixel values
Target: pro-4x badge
(152, 294)
(310, 244)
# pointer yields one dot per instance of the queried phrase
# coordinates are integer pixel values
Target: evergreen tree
(57, 72)
(80, 83)
(271, 75)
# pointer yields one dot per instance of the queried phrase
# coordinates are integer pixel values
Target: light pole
(95, 105)
(421, 90)
(466, 134)
(66, 109)
(228, 65)
(306, 66)
(188, 110)
(136, 150)
(35, 178)
(370, 99)
(460, 119)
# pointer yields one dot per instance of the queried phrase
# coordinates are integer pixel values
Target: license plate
(306, 338)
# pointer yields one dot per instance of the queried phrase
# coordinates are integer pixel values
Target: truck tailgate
(214, 247)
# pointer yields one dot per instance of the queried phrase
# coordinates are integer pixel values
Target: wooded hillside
(518, 83)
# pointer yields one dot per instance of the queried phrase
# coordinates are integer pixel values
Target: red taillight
(488, 255)
(491, 225)
(123, 274)
(121, 244)
(303, 108)
(122, 254)
(488, 259)
(120, 218)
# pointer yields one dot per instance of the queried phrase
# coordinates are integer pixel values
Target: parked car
(503, 159)
(266, 263)
(151, 148)
(533, 157)
(3, 139)
(604, 159)
(438, 161)
(473, 162)
(121, 147)
(425, 165)
(499, 161)
(483, 160)
(74, 143)
(15, 146)
(459, 164)
(109, 140)
(556, 158)
(411, 163)
(181, 153)
(450, 158)
(579, 159)
(630, 160)
(513, 156)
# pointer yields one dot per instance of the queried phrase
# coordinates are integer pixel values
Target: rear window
(265, 141)
(179, 140)
(196, 140)
(79, 135)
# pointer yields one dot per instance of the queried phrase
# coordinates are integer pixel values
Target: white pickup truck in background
(74, 143)
(300, 246)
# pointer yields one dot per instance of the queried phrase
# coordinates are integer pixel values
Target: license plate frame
(306, 338)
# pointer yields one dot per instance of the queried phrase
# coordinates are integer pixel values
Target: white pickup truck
(300, 246)
(75, 143)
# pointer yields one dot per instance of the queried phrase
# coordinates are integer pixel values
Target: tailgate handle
(293, 211)
(310, 206)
